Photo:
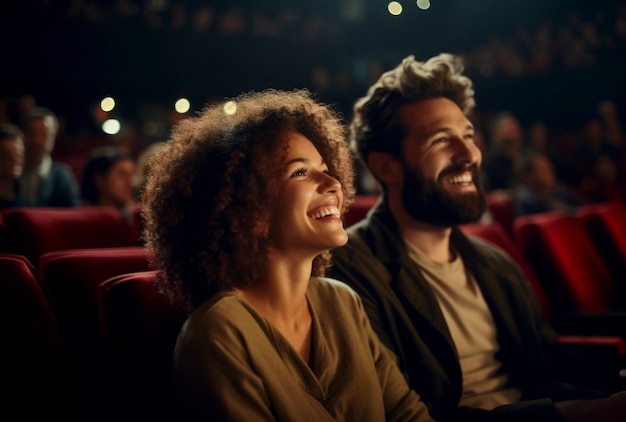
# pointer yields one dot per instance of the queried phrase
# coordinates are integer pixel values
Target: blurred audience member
(538, 189)
(597, 161)
(538, 136)
(44, 182)
(108, 180)
(595, 143)
(11, 163)
(607, 111)
(505, 145)
(541, 139)
(19, 107)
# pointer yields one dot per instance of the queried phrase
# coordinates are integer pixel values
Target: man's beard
(426, 201)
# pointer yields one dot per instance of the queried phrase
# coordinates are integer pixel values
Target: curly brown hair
(375, 125)
(212, 188)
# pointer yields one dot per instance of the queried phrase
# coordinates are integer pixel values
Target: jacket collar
(405, 275)
(387, 244)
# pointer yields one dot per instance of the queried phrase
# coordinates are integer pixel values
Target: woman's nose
(330, 183)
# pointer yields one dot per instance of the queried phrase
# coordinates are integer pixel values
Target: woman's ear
(385, 167)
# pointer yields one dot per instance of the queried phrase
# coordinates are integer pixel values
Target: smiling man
(459, 314)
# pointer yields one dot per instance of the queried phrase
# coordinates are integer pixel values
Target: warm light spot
(107, 104)
(394, 8)
(423, 4)
(111, 126)
(182, 106)
(230, 108)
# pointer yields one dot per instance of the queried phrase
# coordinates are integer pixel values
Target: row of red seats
(91, 332)
(90, 336)
(94, 307)
(32, 231)
(568, 275)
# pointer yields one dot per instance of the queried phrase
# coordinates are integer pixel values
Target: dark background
(69, 54)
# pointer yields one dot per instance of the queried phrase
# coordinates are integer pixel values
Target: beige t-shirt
(485, 385)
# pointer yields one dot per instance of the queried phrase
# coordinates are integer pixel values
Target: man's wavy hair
(375, 125)
(212, 189)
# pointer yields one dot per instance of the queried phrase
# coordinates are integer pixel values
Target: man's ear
(385, 167)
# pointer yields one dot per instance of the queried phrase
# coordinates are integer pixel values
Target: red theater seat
(359, 208)
(605, 224)
(72, 278)
(140, 328)
(33, 231)
(36, 371)
(574, 276)
(500, 205)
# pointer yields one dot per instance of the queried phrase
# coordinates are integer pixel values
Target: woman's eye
(299, 172)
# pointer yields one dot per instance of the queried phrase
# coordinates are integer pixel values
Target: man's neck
(431, 240)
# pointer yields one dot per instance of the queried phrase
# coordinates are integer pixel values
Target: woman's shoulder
(329, 289)
(224, 308)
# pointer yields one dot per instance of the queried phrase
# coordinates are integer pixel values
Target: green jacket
(405, 314)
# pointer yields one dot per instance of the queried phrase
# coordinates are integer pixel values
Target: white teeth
(466, 178)
(326, 212)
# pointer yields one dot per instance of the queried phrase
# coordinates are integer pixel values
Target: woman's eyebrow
(298, 160)
(304, 161)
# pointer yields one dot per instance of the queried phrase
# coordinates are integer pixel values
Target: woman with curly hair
(241, 207)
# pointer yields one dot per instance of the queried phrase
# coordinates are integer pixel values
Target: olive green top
(232, 364)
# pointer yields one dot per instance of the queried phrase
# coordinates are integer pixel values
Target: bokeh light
(394, 8)
(182, 106)
(107, 104)
(423, 4)
(111, 126)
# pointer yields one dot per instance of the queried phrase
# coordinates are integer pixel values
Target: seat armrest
(594, 362)
(591, 324)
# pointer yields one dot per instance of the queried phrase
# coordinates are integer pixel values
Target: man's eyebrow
(436, 131)
(469, 126)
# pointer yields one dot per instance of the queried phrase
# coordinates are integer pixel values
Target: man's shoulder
(486, 253)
